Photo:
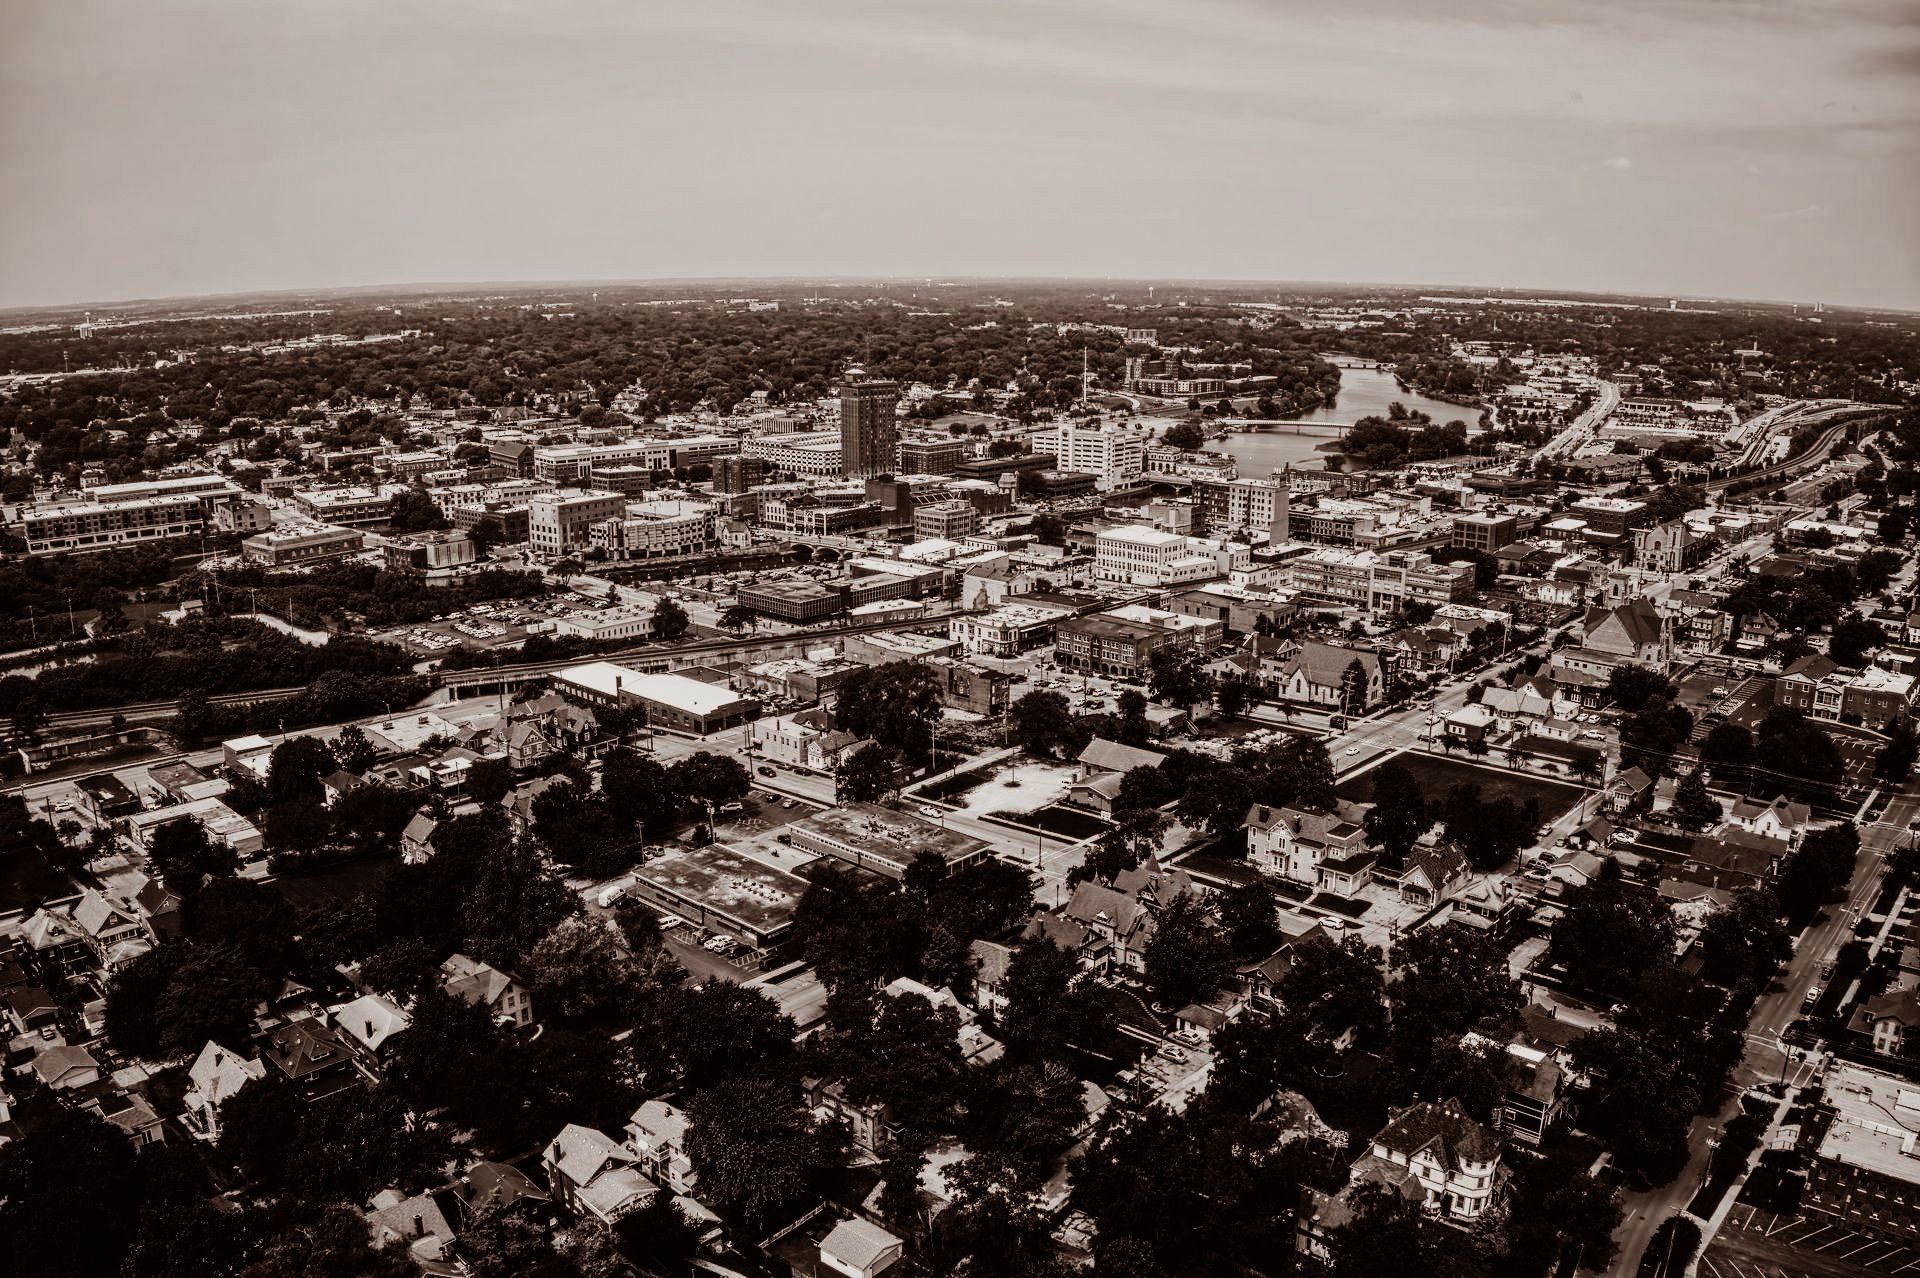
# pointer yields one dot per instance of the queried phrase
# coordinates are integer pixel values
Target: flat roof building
(670, 701)
(870, 837)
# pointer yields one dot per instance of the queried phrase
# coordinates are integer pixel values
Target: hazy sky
(1731, 147)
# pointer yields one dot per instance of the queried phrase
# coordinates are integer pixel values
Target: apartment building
(347, 506)
(932, 456)
(79, 526)
(1485, 532)
(949, 520)
(1140, 556)
(302, 544)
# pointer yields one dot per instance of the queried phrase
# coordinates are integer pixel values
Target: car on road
(788, 803)
(928, 810)
(765, 771)
(1432, 718)
(1352, 750)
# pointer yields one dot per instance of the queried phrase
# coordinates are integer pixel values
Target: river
(1364, 392)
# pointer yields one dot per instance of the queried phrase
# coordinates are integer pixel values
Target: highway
(1582, 427)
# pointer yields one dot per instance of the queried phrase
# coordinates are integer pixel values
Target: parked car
(765, 771)
(928, 810)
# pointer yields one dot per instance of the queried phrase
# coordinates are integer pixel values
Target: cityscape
(641, 770)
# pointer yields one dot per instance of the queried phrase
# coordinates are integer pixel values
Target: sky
(1705, 148)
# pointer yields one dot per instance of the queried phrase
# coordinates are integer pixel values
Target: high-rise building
(868, 435)
(739, 474)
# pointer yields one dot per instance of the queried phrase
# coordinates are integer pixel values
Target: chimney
(419, 1225)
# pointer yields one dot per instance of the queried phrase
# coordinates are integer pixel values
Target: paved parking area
(1754, 1243)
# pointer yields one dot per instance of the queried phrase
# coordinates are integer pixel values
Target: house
(369, 1024)
(489, 1187)
(1469, 723)
(990, 962)
(1117, 926)
(416, 1224)
(113, 933)
(859, 1249)
(657, 1132)
(416, 840)
(310, 1053)
(31, 1009)
(126, 1110)
(1781, 819)
(472, 981)
(62, 1068)
(1534, 1103)
(1888, 1019)
(1435, 870)
(1629, 787)
(1104, 757)
(1454, 1159)
(1097, 793)
(977, 1047)
(591, 1174)
(1518, 706)
(1325, 850)
(1353, 680)
(214, 1078)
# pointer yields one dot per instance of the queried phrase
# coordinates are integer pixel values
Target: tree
(1043, 723)
(1399, 813)
(712, 779)
(186, 857)
(753, 1148)
(1176, 676)
(896, 704)
(1185, 436)
(353, 751)
(1693, 808)
(489, 781)
(870, 774)
(1744, 941)
(211, 996)
(738, 617)
(1854, 638)
(1187, 957)
(641, 792)
(669, 620)
(1233, 694)
(1787, 734)
(907, 1057)
(1632, 687)
(1335, 986)
(579, 969)
(133, 1000)
(1726, 751)
(1894, 761)
(1650, 735)
(716, 1030)
(69, 1191)
(1610, 931)
(1249, 919)
(1448, 981)
(295, 768)
(1044, 1006)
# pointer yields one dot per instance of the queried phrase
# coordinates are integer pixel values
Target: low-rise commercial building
(664, 529)
(431, 551)
(1865, 1171)
(302, 544)
(870, 837)
(563, 521)
(1106, 645)
(346, 506)
(670, 701)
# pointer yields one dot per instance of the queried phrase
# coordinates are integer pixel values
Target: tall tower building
(868, 436)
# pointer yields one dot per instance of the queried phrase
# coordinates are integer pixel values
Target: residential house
(416, 840)
(591, 1174)
(472, 981)
(129, 1111)
(488, 1187)
(213, 1079)
(1455, 1160)
(1536, 1101)
(61, 1067)
(1517, 709)
(418, 1225)
(1888, 1019)
(1629, 787)
(657, 1132)
(310, 1053)
(1435, 870)
(990, 962)
(1111, 757)
(31, 1010)
(369, 1024)
(114, 934)
(1782, 819)
(1325, 850)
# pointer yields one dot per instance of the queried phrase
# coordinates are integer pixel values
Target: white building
(663, 529)
(801, 453)
(1114, 454)
(1137, 556)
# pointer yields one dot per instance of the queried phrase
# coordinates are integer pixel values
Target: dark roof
(1445, 1128)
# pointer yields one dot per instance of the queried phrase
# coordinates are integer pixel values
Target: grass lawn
(1438, 774)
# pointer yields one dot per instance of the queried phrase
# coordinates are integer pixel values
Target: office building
(563, 521)
(1113, 453)
(346, 506)
(1865, 1172)
(431, 551)
(812, 452)
(659, 530)
(737, 475)
(1484, 532)
(868, 434)
(932, 456)
(950, 520)
(302, 544)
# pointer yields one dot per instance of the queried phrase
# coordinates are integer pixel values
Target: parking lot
(1754, 1243)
